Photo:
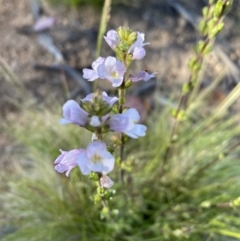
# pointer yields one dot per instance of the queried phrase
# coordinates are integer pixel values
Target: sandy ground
(170, 34)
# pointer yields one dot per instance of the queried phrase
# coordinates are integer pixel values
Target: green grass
(191, 198)
(39, 204)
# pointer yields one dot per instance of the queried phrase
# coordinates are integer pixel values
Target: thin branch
(207, 40)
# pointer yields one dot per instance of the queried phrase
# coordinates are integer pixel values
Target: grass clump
(187, 202)
(77, 3)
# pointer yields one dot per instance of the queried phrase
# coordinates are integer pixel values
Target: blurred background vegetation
(195, 196)
(77, 3)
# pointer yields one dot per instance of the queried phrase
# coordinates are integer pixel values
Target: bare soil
(171, 35)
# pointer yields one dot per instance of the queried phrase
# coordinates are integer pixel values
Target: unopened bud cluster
(211, 25)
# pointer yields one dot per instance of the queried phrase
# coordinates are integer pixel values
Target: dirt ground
(170, 32)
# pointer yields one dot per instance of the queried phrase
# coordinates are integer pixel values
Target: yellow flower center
(114, 74)
(96, 158)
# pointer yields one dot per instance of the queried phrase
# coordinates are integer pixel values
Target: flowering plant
(101, 114)
(181, 180)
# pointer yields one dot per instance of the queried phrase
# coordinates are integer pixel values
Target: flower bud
(123, 47)
(121, 33)
(98, 106)
(129, 60)
(127, 33)
(93, 176)
(128, 83)
(132, 38)
(100, 191)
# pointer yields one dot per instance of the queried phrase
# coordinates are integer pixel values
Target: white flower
(96, 158)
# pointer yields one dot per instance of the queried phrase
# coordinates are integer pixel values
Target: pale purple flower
(126, 123)
(143, 75)
(96, 158)
(109, 68)
(136, 49)
(106, 98)
(112, 39)
(106, 181)
(67, 161)
(91, 74)
(44, 24)
(74, 114)
(113, 70)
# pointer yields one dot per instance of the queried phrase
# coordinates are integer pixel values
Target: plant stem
(122, 100)
(121, 159)
(207, 40)
(121, 107)
(104, 204)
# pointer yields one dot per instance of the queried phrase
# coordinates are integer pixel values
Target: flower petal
(58, 160)
(116, 82)
(83, 163)
(140, 75)
(136, 131)
(90, 74)
(149, 76)
(108, 162)
(120, 123)
(110, 63)
(97, 62)
(138, 53)
(106, 181)
(133, 114)
(120, 67)
(112, 39)
(73, 113)
(96, 147)
(101, 71)
(89, 98)
(143, 75)
(108, 99)
(99, 158)
(67, 161)
(137, 43)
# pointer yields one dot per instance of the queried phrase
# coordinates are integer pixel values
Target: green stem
(122, 93)
(183, 103)
(122, 100)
